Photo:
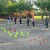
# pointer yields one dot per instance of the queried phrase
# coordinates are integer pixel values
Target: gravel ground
(37, 39)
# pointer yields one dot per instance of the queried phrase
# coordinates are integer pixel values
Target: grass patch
(39, 17)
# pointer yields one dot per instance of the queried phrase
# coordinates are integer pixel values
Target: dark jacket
(46, 20)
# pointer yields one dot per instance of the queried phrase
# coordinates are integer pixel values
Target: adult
(12, 19)
(20, 19)
(46, 22)
(15, 19)
(28, 18)
(33, 21)
(8, 19)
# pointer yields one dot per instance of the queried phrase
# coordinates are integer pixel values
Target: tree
(44, 5)
(22, 5)
(10, 6)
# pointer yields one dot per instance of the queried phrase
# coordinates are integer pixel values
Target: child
(33, 21)
(28, 21)
(46, 22)
(8, 19)
(15, 19)
(20, 19)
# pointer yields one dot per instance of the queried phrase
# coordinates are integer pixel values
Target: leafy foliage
(43, 4)
(10, 6)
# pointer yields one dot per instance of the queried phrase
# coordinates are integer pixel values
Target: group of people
(10, 19)
(13, 18)
(33, 21)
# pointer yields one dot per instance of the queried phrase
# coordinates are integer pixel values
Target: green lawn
(38, 17)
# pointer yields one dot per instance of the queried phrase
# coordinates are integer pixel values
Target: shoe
(47, 29)
(33, 27)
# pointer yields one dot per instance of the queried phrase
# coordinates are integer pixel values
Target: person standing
(46, 22)
(20, 19)
(12, 19)
(8, 19)
(28, 19)
(15, 19)
(33, 21)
